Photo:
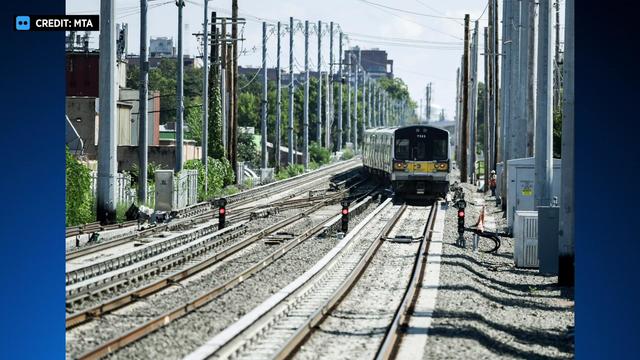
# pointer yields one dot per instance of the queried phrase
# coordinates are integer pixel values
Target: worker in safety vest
(492, 182)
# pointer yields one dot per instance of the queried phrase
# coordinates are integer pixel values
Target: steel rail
(388, 348)
(320, 315)
(178, 312)
(132, 296)
(209, 213)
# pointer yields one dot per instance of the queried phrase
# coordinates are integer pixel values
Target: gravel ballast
(355, 329)
(183, 335)
(486, 308)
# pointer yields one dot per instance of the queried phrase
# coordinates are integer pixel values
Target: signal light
(345, 216)
(460, 222)
(222, 211)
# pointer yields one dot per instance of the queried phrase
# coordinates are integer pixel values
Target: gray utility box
(520, 180)
(164, 190)
(548, 227)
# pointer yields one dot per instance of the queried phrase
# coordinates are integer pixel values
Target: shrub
(79, 202)
(347, 154)
(219, 174)
(319, 154)
(290, 171)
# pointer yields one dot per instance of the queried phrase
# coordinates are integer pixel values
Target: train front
(420, 161)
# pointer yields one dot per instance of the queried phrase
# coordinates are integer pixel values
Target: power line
(409, 11)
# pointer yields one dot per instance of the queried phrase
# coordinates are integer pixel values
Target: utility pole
(224, 98)
(355, 105)
(327, 112)
(495, 69)
(465, 103)
(544, 112)
(487, 120)
(457, 115)
(180, 94)
(473, 119)
(365, 124)
(330, 111)
(340, 136)
(107, 132)
(143, 144)
(291, 91)
(370, 104)
(233, 128)
(305, 140)
(319, 106)
(263, 104)
(567, 215)
(556, 78)
(531, 94)
(520, 133)
(277, 143)
(510, 81)
(348, 122)
(205, 95)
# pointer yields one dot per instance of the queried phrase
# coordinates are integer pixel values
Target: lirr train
(414, 159)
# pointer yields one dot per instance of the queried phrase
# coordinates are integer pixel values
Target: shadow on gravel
(499, 348)
(515, 287)
(373, 332)
(557, 339)
(519, 303)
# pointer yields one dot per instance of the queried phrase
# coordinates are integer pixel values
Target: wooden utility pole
(465, 103)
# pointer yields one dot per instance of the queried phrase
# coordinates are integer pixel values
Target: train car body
(414, 159)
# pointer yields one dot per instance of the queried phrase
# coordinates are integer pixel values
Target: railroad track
(160, 255)
(203, 211)
(112, 345)
(181, 255)
(290, 317)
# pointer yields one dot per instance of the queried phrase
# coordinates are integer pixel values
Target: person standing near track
(492, 182)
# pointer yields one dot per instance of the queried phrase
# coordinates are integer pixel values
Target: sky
(426, 47)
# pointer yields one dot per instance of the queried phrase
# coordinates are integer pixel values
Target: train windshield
(421, 144)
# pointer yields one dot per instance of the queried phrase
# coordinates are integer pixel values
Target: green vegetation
(347, 154)
(290, 171)
(219, 175)
(79, 202)
(248, 150)
(318, 154)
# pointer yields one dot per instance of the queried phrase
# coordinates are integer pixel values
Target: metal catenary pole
(327, 112)
(340, 137)
(520, 134)
(531, 63)
(180, 95)
(205, 96)
(107, 151)
(355, 104)
(278, 136)
(233, 97)
(465, 103)
(495, 70)
(473, 98)
(544, 112)
(263, 104)
(330, 116)
(143, 112)
(319, 95)
(505, 93)
(305, 140)
(365, 123)
(291, 94)
(457, 114)
(567, 215)
(487, 121)
(348, 122)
